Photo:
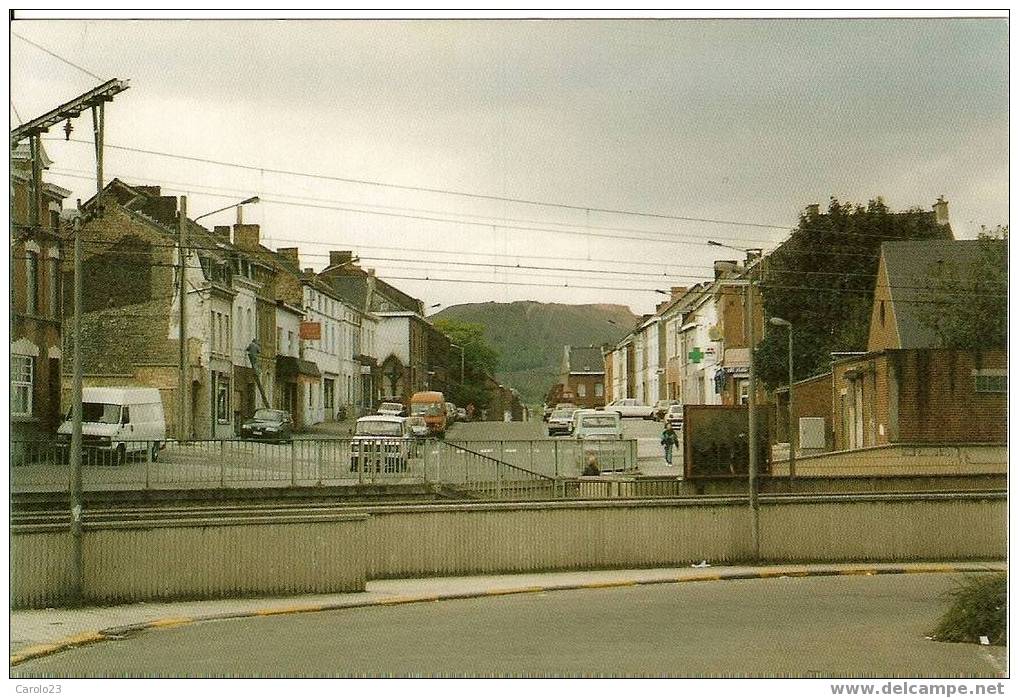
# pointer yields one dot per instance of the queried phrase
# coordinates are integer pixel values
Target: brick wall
(811, 398)
(938, 401)
(590, 400)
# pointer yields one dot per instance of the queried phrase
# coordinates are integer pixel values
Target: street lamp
(461, 361)
(779, 322)
(251, 200)
(182, 217)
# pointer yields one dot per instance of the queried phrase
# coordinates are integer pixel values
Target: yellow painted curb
(286, 609)
(866, 572)
(168, 622)
(607, 585)
(395, 600)
(515, 590)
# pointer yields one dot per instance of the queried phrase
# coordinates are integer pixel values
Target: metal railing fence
(559, 457)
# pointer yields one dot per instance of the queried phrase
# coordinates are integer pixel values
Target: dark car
(269, 425)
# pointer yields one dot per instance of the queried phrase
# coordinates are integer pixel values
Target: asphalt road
(816, 626)
(326, 457)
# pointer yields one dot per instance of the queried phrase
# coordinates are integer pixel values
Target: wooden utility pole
(182, 218)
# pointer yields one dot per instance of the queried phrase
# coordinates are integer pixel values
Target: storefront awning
(291, 367)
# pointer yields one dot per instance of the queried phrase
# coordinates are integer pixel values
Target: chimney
(723, 267)
(338, 257)
(941, 211)
(676, 291)
(813, 210)
(222, 232)
(246, 235)
(289, 254)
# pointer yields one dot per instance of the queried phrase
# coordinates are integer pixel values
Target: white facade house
(650, 371)
(326, 310)
(699, 353)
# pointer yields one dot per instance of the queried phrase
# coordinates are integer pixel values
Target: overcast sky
(747, 120)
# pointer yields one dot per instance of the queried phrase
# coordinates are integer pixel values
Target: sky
(586, 146)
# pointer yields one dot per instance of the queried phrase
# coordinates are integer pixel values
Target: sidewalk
(36, 633)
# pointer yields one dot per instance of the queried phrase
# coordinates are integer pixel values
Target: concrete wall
(202, 559)
(193, 559)
(903, 459)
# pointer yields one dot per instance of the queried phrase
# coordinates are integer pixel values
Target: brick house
(905, 388)
(130, 319)
(582, 373)
(36, 249)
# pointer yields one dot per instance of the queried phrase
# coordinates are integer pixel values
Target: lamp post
(182, 217)
(748, 324)
(779, 322)
(461, 361)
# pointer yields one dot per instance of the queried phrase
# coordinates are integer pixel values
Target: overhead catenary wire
(58, 57)
(452, 192)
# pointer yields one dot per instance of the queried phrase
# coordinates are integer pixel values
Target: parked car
(560, 422)
(546, 412)
(629, 407)
(661, 407)
(674, 418)
(119, 421)
(450, 413)
(269, 425)
(431, 405)
(393, 409)
(461, 414)
(380, 443)
(597, 424)
(418, 426)
(565, 406)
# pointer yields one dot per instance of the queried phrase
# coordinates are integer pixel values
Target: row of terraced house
(329, 345)
(904, 388)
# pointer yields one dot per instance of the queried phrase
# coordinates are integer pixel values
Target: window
(599, 390)
(279, 339)
(21, 385)
(32, 283)
(222, 398)
(990, 381)
(327, 394)
(290, 344)
(882, 313)
(581, 390)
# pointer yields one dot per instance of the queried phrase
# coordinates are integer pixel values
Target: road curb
(122, 631)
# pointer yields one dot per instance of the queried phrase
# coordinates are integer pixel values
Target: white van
(596, 424)
(119, 421)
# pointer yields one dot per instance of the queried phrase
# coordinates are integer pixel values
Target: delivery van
(119, 422)
(432, 406)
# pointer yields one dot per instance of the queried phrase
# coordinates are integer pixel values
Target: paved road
(818, 626)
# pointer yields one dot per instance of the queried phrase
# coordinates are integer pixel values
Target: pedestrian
(669, 439)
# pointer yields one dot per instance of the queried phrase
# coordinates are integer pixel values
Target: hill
(529, 336)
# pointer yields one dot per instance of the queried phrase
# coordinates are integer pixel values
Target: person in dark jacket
(669, 439)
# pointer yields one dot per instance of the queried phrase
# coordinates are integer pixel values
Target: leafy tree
(822, 281)
(969, 303)
(480, 360)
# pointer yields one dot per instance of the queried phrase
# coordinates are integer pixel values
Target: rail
(233, 463)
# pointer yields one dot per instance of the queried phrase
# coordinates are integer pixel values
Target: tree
(822, 281)
(968, 306)
(479, 358)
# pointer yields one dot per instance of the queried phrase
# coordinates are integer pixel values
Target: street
(324, 455)
(790, 626)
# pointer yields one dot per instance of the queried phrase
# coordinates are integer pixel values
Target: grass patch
(979, 607)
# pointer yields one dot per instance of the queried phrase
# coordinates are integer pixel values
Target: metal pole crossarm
(69, 110)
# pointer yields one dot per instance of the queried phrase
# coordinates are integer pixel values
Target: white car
(393, 409)
(381, 443)
(560, 422)
(629, 407)
(674, 418)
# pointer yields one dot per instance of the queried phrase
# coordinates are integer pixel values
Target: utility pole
(74, 459)
(182, 217)
(755, 514)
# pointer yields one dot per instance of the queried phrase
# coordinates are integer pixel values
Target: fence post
(358, 461)
(222, 463)
(318, 463)
(424, 459)
(498, 480)
(467, 474)
(148, 461)
(293, 462)
(502, 451)
(556, 445)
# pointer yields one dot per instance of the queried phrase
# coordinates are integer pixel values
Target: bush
(979, 607)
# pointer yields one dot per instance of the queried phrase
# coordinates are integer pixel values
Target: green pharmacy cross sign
(696, 355)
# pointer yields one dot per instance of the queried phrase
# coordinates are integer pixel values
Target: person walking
(669, 439)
